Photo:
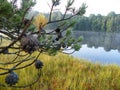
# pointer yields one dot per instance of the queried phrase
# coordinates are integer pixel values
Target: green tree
(21, 36)
(109, 23)
(111, 14)
(103, 26)
(82, 24)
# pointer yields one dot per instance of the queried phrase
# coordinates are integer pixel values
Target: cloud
(94, 6)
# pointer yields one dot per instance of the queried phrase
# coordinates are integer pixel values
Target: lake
(99, 47)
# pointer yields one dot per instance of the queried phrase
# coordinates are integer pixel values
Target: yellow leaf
(39, 21)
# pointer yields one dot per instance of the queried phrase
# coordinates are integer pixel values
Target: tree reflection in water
(99, 46)
(109, 41)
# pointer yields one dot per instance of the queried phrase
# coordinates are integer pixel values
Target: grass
(63, 72)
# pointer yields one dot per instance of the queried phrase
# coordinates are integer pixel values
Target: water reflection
(109, 41)
(99, 47)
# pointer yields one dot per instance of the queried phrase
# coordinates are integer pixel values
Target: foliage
(109, 23)
(21, 37)
(63, 72)
(5, 11)
(39, 21)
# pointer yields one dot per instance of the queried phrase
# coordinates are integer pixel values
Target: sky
(102, 7)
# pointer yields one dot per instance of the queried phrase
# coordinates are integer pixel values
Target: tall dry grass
(63, 72)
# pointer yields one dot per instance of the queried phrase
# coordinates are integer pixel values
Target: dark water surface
(99, 47)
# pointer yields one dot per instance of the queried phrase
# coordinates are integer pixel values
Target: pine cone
(38, 64)
(29, 43)
(11, 79)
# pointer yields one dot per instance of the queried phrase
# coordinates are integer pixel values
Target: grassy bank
(62, 72)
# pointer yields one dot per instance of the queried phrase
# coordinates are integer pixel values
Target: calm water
(99, 47)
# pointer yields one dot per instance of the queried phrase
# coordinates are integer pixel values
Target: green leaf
(76, 47)
(80, 39)
(73, 23)
(82, 9)
(5, 9)
(52, 51)
(68, 33)
(31, 28)
(70, 41)
(70, 2)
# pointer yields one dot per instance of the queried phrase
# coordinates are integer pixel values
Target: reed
(63, 72)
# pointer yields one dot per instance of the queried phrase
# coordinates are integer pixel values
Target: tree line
(109, 23)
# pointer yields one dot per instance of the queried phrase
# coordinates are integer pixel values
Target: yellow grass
(63, 72)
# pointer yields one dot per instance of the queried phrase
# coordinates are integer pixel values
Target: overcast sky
(102, 7)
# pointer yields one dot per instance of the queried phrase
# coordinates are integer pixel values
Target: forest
(108, 23)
